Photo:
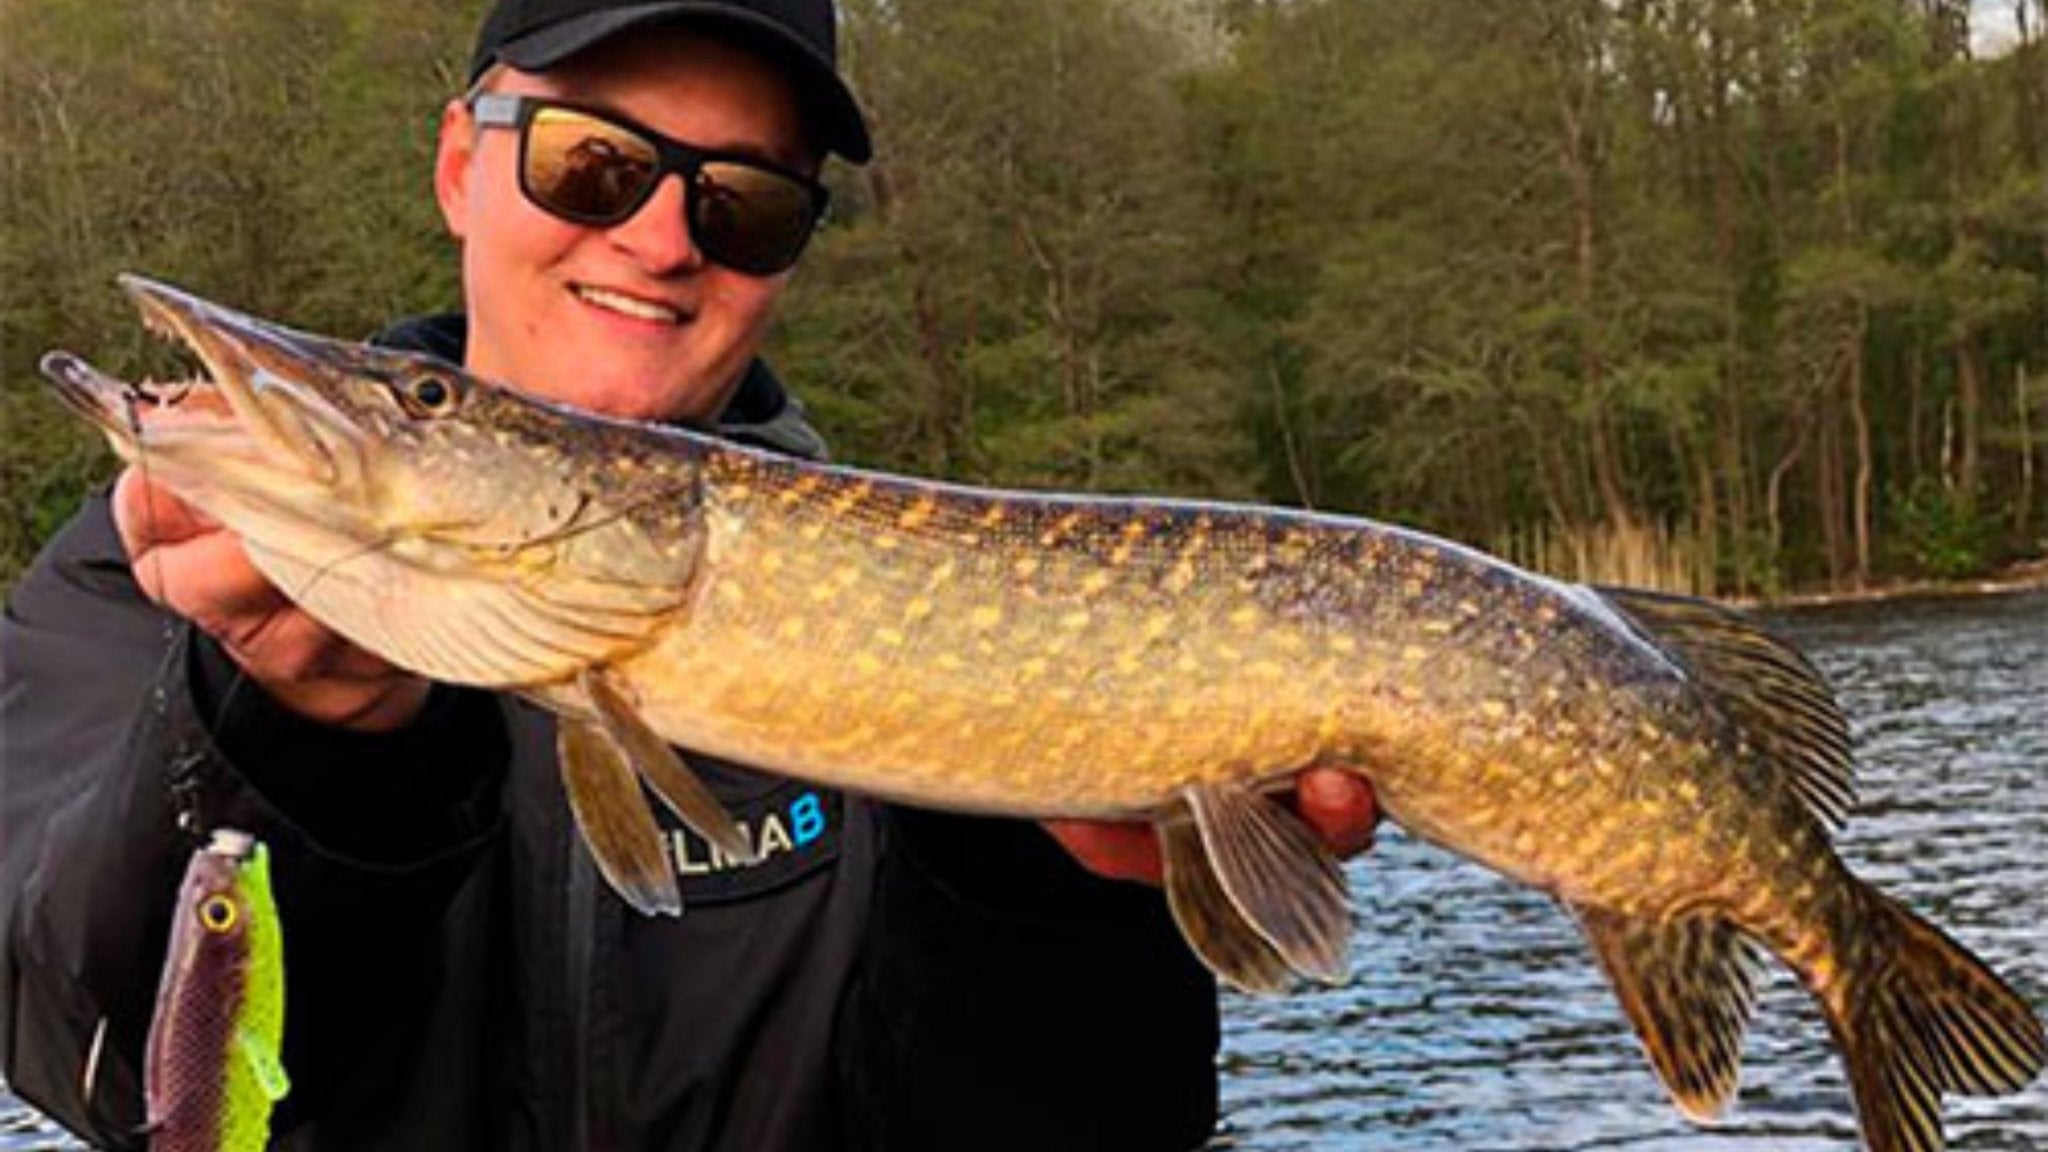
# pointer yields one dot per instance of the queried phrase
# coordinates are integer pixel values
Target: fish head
(413, 507)
(370, 441)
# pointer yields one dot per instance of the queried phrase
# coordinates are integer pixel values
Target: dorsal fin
(1772, 693)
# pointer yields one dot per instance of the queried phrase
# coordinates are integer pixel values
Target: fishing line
(129, 396)
(573, 526)
(168, 396)
(187, 817)
(142, 391)
(293, 598)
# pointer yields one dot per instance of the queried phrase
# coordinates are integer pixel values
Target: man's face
(631, 320)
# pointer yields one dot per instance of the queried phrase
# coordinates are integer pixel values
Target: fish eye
(426, 394)
(218, 913)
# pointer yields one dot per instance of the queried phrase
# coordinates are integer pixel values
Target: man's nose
(658, 235)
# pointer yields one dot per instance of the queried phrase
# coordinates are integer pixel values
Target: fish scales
(997, 700)
(1662, 766)
(1135, 684)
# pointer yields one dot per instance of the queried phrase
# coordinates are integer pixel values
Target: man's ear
(451, 166)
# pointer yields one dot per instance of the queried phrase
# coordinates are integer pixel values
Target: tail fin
(1928, 1019)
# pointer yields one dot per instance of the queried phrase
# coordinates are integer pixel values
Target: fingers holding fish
(1664, 766)
(149, 514)
(185, 560)
(199, 569)
(1114, 849)
(1338, 806)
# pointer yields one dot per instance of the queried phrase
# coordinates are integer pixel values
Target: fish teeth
(629, 305)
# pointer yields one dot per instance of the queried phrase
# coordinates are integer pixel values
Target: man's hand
(197, 568)
(1337, 806)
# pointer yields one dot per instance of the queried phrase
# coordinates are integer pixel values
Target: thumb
(1340, 807)
(147, 514)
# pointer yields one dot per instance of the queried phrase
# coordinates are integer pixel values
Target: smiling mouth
(625, 305)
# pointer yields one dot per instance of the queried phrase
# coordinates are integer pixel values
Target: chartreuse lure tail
(214, 1067)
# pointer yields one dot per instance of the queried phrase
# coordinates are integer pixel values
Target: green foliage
(1942, 534)
(1750, 283)
(1023, 293)
(273, 156)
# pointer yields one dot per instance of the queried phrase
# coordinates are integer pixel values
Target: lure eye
(427, 394)
(218, 914)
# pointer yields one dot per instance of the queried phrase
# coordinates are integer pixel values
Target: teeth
(628, 305)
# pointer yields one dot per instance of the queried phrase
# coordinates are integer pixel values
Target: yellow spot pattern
(917, 515)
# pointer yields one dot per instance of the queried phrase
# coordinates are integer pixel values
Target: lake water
(1476, 1021)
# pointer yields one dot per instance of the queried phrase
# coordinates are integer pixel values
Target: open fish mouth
(256, 393)
(107, 403)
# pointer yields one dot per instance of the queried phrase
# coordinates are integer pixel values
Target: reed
(1652, 555)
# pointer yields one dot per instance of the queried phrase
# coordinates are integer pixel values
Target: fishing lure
(214, 1068)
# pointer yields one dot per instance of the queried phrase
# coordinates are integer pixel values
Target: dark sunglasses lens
(751, 219)
(583, 168)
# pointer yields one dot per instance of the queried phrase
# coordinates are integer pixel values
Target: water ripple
(1477, 1021)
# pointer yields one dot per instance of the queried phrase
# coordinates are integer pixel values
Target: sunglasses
(598, 169)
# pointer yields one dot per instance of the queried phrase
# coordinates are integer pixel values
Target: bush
(1943, 534)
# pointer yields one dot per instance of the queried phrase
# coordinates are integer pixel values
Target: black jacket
(459, 977)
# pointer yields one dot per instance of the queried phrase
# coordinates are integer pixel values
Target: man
(631, 184)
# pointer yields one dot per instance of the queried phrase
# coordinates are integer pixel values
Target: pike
(1662, 766)
(214, 1066)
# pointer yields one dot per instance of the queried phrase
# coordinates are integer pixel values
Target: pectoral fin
(664, 771)
(1280, 880)
(613, 816)
(1688, 986)
(265, 1062)
(1214, 928)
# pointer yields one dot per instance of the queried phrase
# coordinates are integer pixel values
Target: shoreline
(2024, 576)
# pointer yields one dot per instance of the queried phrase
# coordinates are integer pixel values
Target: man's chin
(631, 396)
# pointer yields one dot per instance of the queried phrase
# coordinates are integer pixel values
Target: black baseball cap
(535, 35)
